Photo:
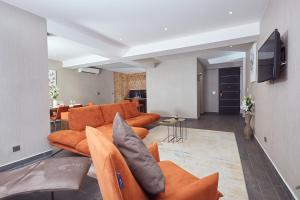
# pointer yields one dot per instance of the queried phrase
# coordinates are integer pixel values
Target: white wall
(83, 87)
(24, 118)
(277, 114)
(211, 83)
(172, 88)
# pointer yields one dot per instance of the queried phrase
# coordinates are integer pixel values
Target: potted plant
(53, 93)
(248, 108)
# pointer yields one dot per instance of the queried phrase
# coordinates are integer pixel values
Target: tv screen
(269, 58)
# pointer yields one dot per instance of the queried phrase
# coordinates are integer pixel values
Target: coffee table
(50, 175)
(175, 123)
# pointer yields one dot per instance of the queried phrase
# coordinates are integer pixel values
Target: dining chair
(139, 106)
(57, 115)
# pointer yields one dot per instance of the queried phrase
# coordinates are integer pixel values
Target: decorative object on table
(53, 93)
(248, 108)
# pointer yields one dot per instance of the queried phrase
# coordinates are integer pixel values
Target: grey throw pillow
(141, 163)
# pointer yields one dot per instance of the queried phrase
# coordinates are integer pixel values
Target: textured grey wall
(172, 88)
(24, 118)
(277, 114)
(83, 87)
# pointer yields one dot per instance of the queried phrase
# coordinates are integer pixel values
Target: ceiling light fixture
(230, 12)
(230, 46)
(120, 39)
(165, 29)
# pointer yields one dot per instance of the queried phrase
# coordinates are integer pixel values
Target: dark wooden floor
(262, 180)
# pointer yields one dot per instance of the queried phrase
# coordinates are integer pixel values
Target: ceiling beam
(96, 43)
(203, 41)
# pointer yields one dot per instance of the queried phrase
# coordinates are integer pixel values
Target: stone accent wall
(125, 82)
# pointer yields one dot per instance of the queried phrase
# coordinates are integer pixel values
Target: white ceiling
(142, 21)
(63, 49)
(135, 29)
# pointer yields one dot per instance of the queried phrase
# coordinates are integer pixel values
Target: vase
(54, 103)
(248, 132)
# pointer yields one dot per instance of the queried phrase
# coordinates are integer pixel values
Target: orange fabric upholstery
(140, 121)
(67, 137)
(60, 146)
(81, 117)
(83, 147)
(153, 150)
(130, 110)
(153, 116)
(107, 129)
(190, 186)
(109, 111)
(109, 164)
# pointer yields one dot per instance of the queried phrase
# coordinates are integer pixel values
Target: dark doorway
(229, 91)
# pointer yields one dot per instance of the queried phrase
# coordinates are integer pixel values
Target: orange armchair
(116, 181)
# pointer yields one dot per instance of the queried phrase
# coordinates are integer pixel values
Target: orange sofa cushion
(83, 147)
(110, 167)
(140, 121)
(109, 112)
(155, 117)
(67, 137)
(107, 130)
(181, 185)
(130, 110)
(81, 117)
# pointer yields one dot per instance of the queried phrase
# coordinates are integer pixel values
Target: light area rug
(203, 153)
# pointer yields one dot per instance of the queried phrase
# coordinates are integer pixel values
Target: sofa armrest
(203, 189)
(153, 150)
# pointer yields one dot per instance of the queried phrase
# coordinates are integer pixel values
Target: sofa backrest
(79, 118)
(114, 177)
(110, 110)
(130, 110)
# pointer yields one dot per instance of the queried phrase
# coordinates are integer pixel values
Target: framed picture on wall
(52, 77)
(253, 63)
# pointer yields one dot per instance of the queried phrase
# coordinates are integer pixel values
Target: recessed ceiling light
(230, 12)
(230, 46)
(120, 39)
(166, 28)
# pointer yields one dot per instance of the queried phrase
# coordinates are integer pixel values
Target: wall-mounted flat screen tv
(269, 58)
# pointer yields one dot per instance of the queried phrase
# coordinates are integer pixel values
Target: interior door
(229, 91)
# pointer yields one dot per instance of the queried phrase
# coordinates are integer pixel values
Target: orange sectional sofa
(100, 117)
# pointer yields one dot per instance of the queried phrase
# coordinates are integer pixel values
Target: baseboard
(285, 182)
(25, 161)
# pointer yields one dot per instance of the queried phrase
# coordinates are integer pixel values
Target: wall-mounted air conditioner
(90, 70)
